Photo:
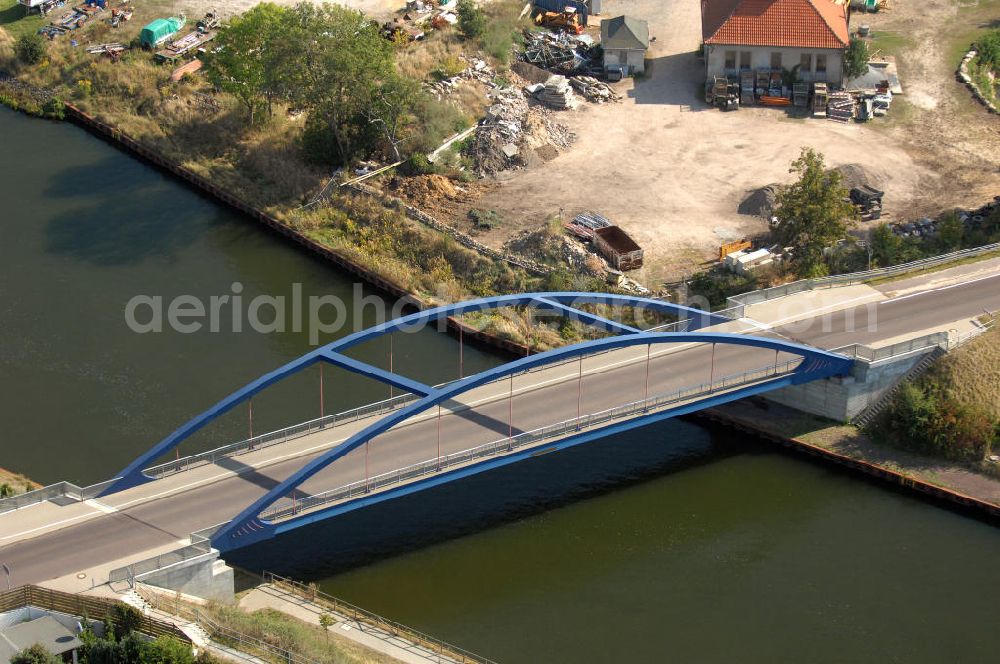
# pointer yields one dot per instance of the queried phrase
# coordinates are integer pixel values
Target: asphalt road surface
(171, 519)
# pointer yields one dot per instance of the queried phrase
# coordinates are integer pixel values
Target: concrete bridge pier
(206, 576)
(843, 398)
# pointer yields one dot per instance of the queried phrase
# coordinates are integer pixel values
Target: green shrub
(485, 219)
(30, 49)
(54, 108)
(36, 654)
(856, 58)
(989, 50)
(471, 19)
(418, 164)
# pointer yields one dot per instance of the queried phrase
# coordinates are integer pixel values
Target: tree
(885, 246)
(36, 654)
(253, 55)
(811, 214)
(6, 490)
(950, 233)
(856, 58)
(471, 19)
(325, 621)
(126, 619)
(344, 70)
(30, 49)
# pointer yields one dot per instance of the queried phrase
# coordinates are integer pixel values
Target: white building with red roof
(776, 35)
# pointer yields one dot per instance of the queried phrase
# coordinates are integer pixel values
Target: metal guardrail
(363, 616)
(943, 340)
(509, 444)
(758, 296)
(270, 438)
(57, 490)
(131, 573)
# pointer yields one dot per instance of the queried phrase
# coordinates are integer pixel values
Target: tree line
(327, 60)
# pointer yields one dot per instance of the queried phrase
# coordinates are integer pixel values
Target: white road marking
(107, 509)
(939, 289)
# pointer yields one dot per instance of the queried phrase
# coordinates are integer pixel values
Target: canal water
(676, 542)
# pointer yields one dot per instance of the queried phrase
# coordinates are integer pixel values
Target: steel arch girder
(268, 530)
(132, 475)
(816, 364)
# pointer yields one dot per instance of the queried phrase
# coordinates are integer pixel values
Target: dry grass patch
(972, 373)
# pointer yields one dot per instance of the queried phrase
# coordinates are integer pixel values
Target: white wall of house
(724, 60)
(634, 58)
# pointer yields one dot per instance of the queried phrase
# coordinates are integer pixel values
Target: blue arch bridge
(626, 378)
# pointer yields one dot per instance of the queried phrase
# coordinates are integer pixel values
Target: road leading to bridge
(126, 525)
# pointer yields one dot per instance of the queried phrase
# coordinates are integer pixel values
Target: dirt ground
(671, 170)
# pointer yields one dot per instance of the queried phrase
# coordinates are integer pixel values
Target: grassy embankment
(206, 131)
(308, 642)
(953, 410)
(16, 482)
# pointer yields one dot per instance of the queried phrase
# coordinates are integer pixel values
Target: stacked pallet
(840, 107)
(557, 92)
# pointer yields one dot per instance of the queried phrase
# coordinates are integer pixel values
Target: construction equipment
(210, 21)
(867, 201)
(724, 95)
(567, 20)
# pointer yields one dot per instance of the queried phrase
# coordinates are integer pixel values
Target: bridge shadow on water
(492, 498)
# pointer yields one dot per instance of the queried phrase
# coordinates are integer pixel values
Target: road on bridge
(105, 532)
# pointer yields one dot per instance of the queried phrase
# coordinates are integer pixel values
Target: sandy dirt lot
(671, 170)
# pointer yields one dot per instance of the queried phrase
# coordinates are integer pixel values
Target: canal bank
(713, 527)
(485, 339)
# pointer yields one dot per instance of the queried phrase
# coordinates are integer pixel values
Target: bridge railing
(763, 295)
(270, 438)
(943, 340)
(57, 490)
(129, 574)
(509, 444)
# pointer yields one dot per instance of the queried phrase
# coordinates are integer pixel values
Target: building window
(730, 59)
(744, 59)
(805, 62)
(776, 60)
(820, 64)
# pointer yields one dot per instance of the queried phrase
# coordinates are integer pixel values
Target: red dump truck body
(621, 251)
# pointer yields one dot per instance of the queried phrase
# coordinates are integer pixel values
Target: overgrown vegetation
(284, 633)
(985, 67)
(294, 92)
(30, 49)
(120, 644)
(953, 410)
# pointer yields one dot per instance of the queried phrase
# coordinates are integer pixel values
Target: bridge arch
(248, 527)
(564, 303)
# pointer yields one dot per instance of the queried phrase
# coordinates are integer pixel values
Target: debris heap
(593, 89)
(562, 52)
(512, 132)
(557, 92)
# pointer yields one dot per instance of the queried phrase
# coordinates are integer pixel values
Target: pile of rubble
(512, 131)
(562, 52)
(478, 70)
(594, 90)
(556, 92)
